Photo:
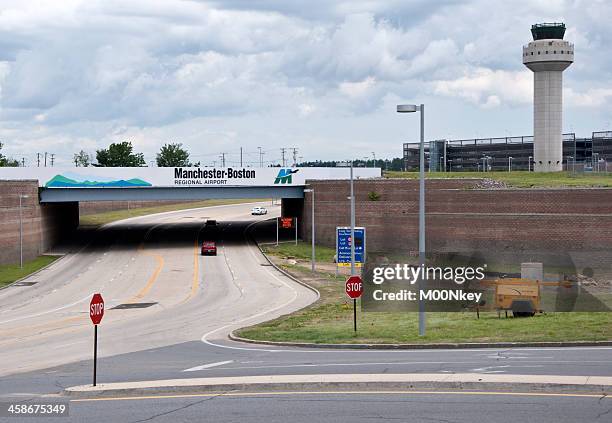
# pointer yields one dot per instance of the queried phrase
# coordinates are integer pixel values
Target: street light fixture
(21, 197)
(411, 108)
(312, 226)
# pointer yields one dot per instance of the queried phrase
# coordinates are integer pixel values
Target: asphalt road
(46, 335)
(152, 261)
(449, 407)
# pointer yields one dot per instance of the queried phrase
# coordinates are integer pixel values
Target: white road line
(489, 368)
(293, 298)
(48, 311)
(384, 363)
(208, 366)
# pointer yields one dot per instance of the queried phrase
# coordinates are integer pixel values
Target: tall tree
(119, 155)
(7, 162)
(82, 159)
(174, 155)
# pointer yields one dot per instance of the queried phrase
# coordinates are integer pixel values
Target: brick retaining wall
(519, 224)
(43, 225)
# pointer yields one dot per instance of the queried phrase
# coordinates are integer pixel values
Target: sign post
(354, 289)
(96, 312)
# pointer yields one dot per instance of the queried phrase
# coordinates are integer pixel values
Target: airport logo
(285, 176)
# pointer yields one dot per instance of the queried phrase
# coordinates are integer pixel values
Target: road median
(545, 384)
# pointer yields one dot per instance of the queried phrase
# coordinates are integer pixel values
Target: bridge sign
(96, 309)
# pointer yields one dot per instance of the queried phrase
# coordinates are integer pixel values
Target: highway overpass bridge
(44, 201)
(58, 185)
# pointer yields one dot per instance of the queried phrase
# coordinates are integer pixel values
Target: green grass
(330, 320)
(9, 273)
(522, 179)
(302, 251)
(99, 219)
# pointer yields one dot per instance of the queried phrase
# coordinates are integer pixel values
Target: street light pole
(312, 226)
(352, 223)
(410, 108)
(422, 220)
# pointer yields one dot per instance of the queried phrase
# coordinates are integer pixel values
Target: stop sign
(96, 309)
(354, 287)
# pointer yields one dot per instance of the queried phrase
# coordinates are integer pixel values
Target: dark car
(209, 248)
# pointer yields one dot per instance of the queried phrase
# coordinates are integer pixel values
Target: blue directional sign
(343, 246)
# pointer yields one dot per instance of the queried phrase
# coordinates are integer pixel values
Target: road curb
(466, 345)
(550, 384)
(284, 272)
(60, 257)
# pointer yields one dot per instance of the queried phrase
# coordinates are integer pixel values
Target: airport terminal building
(504, 153)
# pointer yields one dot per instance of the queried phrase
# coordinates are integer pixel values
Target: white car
(257, 211)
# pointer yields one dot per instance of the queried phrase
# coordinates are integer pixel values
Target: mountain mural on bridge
(78, 181)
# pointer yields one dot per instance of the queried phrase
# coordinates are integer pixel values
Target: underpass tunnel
(41, 221)
(175, 230)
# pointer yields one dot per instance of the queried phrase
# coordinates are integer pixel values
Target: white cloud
(217, 73)
(489, 88)
(595, 97)
(358, 89)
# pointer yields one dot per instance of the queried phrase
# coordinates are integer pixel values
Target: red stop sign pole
(354, 289)
(96, 312)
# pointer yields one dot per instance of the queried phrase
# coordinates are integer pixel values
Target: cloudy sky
(318, 75)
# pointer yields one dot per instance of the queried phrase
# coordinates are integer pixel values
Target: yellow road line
(50, 324)
(288, 393)
(195, 282)
(152, 278)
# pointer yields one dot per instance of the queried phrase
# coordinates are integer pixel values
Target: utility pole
(52, 159)
(374, 156)
(38, 159)
(222, 159)
(294, 156)
(45, 159)
(283, 155)
(260, 157)
(240, 156)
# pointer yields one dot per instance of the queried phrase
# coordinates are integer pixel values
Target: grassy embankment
(330, 320)
(522, 179)
(9, 273)
(103, 218)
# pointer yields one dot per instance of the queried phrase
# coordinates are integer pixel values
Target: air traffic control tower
(548, 55)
